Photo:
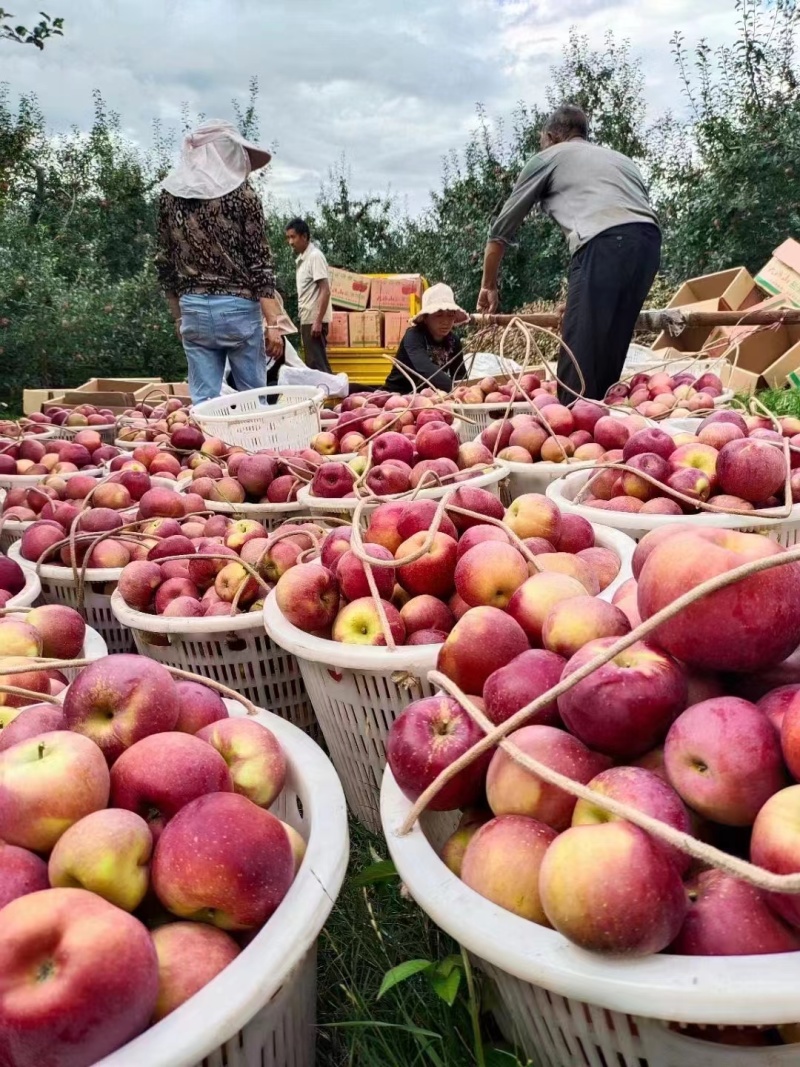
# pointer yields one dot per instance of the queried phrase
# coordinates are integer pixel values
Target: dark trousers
(315, 349)
(609, 279)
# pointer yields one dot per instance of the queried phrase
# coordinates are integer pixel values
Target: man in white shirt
(313, 295)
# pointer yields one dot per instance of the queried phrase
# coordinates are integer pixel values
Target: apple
(437, 440)
(62, 629)
(724, 759)
(573, 623)
(502, 863)
(745, 627)
(189, 956)
(455, 846)
(641, 691)
(775, 845)
(434, 571)
(651, 540)
(644, 790)
(223, 860)
(513, 790)
(610, 889)
(532, 602)
(417, 516)
(359, 623)
(650, 441)
(138, 583)
(30, 721)
(424, 613)
(476, 535)
(480, 501)
(253, 755)
(18, 638)
(382, 529)
(78, 979)
(21, 872)
(198, 705)
(107, 852)
(308, 596)
(428, 736)
(162, 773)
(120, 699)
(483, 640)
(533, 515)
(34, 813)
(526, 678)
(352, 576)
(751, 469)
(728, 917)
(334, 545)
(576, 534)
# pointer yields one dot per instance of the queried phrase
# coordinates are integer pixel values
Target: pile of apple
(54, 631)
(85, 414)
(12, 579)
(147, 422)
(721, 465)
(138, 857)
(214, 579)
(659, 394)
(27, 426)
(553, 433)
(470, 564)
(55, 456)
(113, 506)
(265, 477)
(174, 431)
(490, 391)
(698, 726)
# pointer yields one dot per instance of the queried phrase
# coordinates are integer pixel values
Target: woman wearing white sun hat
(430, 350)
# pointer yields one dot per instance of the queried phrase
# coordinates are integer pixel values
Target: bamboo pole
(673, 320)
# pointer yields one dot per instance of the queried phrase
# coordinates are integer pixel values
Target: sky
(389, 87)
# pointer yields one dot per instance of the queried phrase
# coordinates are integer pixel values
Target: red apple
(189, 956)
(526, 678)
(482, 641)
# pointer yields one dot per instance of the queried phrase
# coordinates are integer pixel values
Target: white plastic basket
(45, 435)
(107, 432)
(472, 419)
(12, 531)
(562, 492)
(697, 365)
(344, 507)
(271, 516)
(25, 481)
(249, 420)
(570, 1008)
(530, 478)
(94, 647)
(58, 586)
(260, 1011)
(232, 649)
(127, 446)
(357, 693)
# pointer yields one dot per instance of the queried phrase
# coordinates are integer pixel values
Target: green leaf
(401, 973)
(366, 1024)
(383, 871)
(446, 987)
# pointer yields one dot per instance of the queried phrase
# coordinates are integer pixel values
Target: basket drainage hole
(299, 804)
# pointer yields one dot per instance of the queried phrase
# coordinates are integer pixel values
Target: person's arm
(529, 189)
(261, 272)
(163, 263)
(417, 352)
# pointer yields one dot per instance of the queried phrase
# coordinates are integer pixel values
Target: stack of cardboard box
(757, 356)
(117, 394)
(370, 312)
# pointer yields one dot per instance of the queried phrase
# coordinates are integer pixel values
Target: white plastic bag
(291, 359)
(487, 364)
(337, 385)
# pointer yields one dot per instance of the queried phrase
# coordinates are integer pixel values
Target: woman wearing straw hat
(430, 352)
(214, 263)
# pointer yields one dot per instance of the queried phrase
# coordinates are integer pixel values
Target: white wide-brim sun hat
(440, 297)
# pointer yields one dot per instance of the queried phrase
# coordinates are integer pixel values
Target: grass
(374, 929)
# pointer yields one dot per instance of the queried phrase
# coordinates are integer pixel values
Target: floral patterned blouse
(214, 246)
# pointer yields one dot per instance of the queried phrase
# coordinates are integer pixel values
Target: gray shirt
(585, 188)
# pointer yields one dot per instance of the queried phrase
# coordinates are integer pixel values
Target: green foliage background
(78, 295)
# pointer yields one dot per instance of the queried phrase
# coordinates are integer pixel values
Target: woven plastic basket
(45, 435)
(472, 419)
(58, 586)
(107, 432)
(94, 647)
(569, 1008)
(358, 692)
(530, 478)
(271, 516)
(12, 531)
(344, 507)
(233, 650)
(261, 1010)
(785, 531)
(250, 420)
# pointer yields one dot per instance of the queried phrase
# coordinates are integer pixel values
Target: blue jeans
(216, 328)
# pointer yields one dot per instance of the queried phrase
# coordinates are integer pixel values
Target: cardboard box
(339, 330)
(349, 290)
(741, 381)
(690, 340)
(117, 394)
(728, 290)
(722, 338)
(373, 329)
(396, 292)
(395, 324)
(356, 327)
(782, 273)
(39, 399)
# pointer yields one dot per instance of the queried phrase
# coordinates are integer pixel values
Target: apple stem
(497, 735)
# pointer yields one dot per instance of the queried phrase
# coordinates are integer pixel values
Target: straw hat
(440, 298)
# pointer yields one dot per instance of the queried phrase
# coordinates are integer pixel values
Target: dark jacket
(438, 361)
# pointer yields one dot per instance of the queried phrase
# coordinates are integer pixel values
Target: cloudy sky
(389, 86)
